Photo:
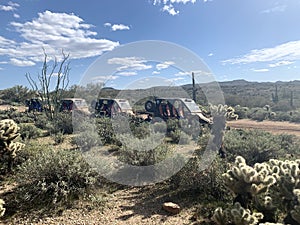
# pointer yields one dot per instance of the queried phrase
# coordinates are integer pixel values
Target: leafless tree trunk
(55, 76)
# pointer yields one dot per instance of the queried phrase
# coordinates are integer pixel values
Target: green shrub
(254, 145)
(42, 122)
(144, 152)
(62, 123)
(86, 140)
(242, 112)
(58, 138)
(29, 131)
(106, 131)
(53, 177)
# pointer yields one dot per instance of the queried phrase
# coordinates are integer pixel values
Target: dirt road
(275, 127)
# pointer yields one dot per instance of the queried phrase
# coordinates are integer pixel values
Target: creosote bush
(258, 146)
(53, 178)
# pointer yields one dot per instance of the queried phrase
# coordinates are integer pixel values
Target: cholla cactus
(270, 186)
(295, 213)
(244, 179)
(236, 215)
(8, 148)
(2, 209)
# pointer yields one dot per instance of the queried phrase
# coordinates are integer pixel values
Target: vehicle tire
(149, 106)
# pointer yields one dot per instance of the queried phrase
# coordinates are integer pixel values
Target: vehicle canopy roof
(189, 103)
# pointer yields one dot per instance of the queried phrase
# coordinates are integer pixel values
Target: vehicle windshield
(124, 105)
(191, 105)
(80, 103)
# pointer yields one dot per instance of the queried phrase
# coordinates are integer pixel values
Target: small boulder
(171, 207)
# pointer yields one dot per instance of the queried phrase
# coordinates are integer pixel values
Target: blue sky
(237, 39)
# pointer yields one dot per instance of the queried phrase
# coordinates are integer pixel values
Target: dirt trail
(133, 206)
(275, 127)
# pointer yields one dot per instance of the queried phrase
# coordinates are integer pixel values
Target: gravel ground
(132, 206)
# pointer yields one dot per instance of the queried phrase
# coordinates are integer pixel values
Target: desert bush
(86, 140)
(180, 137)
(254, 145)
(144, 152)
(62, 123)
(295, 116)
(29, 131)
(106, 131)
(242, 112)
(42, 122)
(203, 180)
(53, 177)
(58, 138)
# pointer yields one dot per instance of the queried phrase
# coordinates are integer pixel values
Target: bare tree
(51, 83)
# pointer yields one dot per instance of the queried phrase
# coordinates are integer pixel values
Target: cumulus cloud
(53, 32)
(115, 27)
(11, 6)
(107, 24)
(179, 74)
(170, 9)
(16, 15)
(260, 70)
(168, 5)
(164, 65)
(127, 73)
(130, 63)
(285, 52)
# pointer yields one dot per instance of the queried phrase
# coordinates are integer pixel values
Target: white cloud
(54, 32)
(164, 65)
(182, 74)
(170, 9)
(127, 73)
(281, 63)
(19, 62)
(107, 24)
(16, 15)
(11, 6)
(260, 70)
(210, 54)
(168, 5)
(285, 52)
(116, 27)
(155, 72)
(103, 78)
(130, 63)
(278, 8)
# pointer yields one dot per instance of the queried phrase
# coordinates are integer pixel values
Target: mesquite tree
(50, 84)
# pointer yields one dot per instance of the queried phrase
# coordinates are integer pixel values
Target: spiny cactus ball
(2, 209)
